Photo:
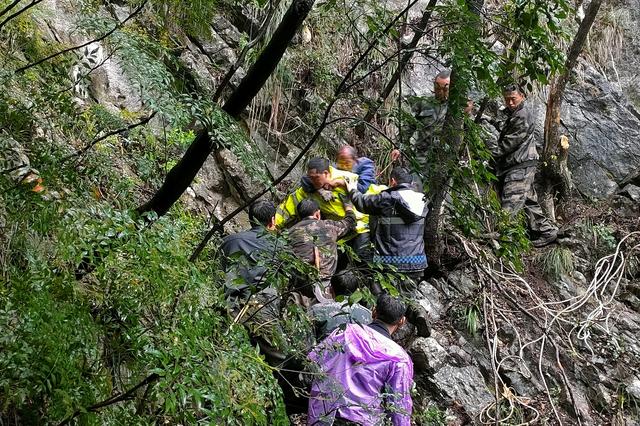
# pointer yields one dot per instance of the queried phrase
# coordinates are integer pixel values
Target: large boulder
(604, 129)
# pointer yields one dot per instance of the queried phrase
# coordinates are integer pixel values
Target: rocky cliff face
(604, 126)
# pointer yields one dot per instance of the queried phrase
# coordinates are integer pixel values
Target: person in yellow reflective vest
(328, 194)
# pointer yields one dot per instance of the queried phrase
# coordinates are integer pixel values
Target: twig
(106, 135)
(18, 13)
(114, 399)
(9, 7)
(80, 46)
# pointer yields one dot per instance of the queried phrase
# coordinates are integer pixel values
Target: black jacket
(245, 256)
(397, 217)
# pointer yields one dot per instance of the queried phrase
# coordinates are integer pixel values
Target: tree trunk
(555, 171)
(453, 132)
(183, 173)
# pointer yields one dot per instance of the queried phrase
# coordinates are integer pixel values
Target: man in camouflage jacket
(516, 158)
(430, 114)
(315, 241)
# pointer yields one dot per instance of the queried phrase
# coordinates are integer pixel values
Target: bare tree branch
(9, 7)
(106, 135)
(114, 399)
(18, 13)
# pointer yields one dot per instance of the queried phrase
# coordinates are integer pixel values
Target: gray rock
(427, 354)
(460, 282)
(464, 385)
(604, 131)
(633, 388)
(459, 357)
(625, 207)
(429, 299)
(632, 192)
(565, 286)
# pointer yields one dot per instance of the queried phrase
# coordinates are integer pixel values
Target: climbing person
(516, 161)
(396, 222)
(329, 198)
(333, 314)
(245, 254)
(315, 241)
(364, 377)
(397, 218)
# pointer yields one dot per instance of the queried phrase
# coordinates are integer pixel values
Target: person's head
(262, 212)
(391, 311)
(513, 96)
(308, 208)
(346, 158)
(399, 175)
(318, 172)
(344, 283)
(441, 85)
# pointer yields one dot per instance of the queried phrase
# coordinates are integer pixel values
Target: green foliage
(537, 27)
(471, 318)
(600, 238)
(556, 261)
(432, 416)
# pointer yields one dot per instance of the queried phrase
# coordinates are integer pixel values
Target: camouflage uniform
(516, 156)
(430, 113)
(315, 242)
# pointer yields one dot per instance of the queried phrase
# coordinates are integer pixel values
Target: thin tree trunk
(183, 173)
(453, 134)
(556, 174)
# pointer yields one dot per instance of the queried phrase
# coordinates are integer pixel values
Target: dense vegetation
(106, 317)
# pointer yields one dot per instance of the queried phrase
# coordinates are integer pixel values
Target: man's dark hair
(344, 283)
(389, 309)
(401, 175)
(261, 212)
(307, 207)
(513, 87)
(443, 75)
(318, 164)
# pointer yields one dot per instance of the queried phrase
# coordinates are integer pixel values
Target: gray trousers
(518, 192)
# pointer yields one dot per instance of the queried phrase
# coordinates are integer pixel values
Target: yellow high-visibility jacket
(333, 209)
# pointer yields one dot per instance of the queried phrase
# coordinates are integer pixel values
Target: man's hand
(395, 155)
(351, 184)
(326, 194)
(337, 183)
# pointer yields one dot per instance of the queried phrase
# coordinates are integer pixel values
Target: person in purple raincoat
(364, 377)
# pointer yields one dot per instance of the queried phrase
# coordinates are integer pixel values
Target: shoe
(422, 326)
(418, 317)
(545, 240)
